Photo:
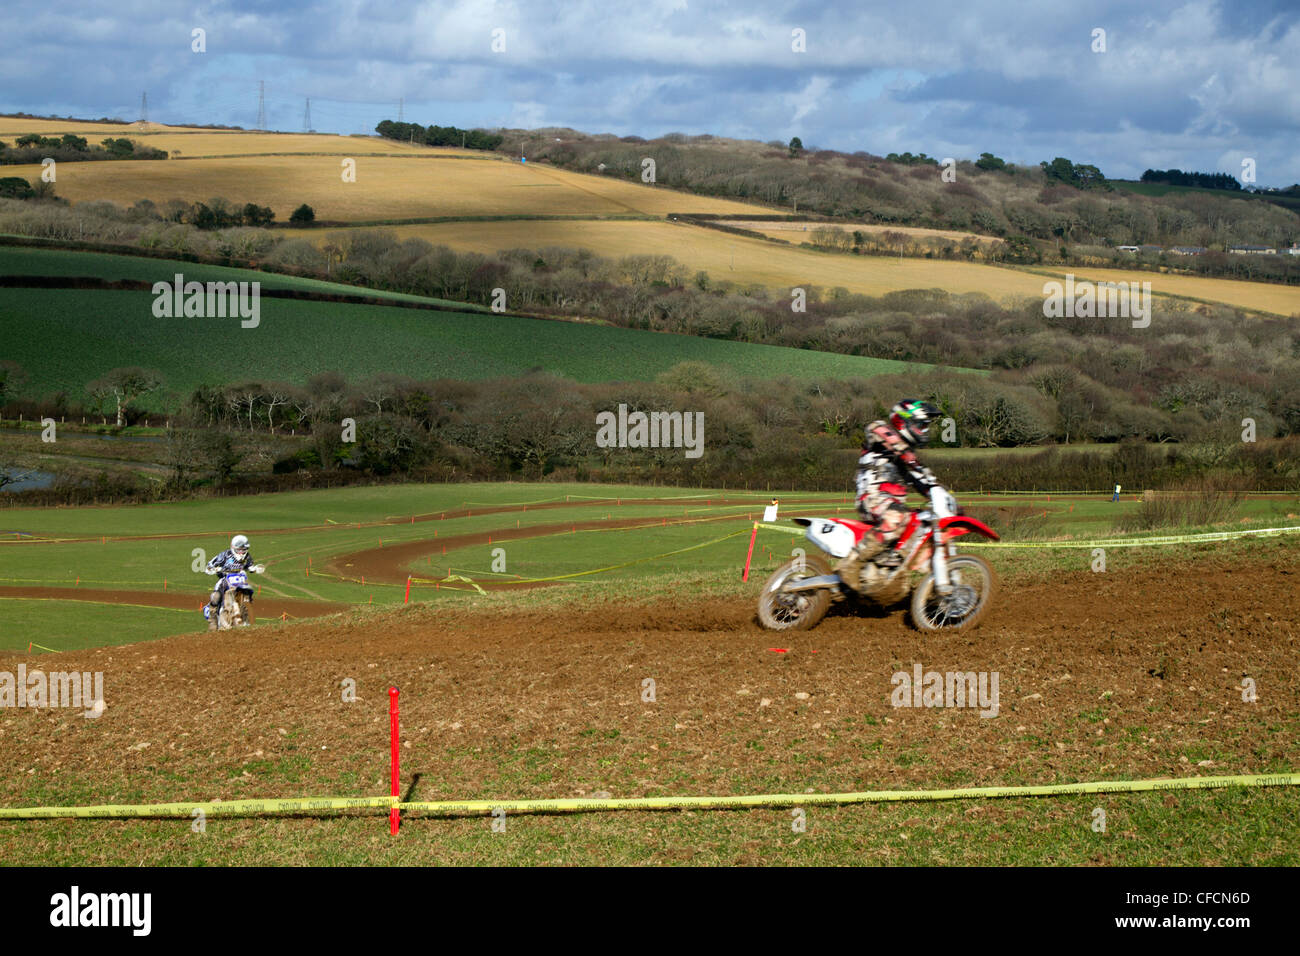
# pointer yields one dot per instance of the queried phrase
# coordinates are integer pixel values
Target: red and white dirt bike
(949, 591)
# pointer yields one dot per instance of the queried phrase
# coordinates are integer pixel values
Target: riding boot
(849, 567)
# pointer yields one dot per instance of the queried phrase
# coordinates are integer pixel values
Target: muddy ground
(1115, 675)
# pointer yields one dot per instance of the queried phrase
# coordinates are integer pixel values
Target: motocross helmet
(912, 419)
(239, 545)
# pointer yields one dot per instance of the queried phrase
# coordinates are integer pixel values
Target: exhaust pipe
(813, 584)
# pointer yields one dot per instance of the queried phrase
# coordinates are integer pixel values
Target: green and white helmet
(912, 419)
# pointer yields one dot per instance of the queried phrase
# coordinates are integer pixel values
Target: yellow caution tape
(310, 805)
(1206, 538)
(207, 808)
(148, 607)
(867, 796)
(461, 577)
(1156, 541)
(791, 529)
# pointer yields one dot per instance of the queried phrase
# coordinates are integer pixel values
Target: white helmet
(239, 544)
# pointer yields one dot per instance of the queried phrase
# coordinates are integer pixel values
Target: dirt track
(1128, 674)
(388, 565)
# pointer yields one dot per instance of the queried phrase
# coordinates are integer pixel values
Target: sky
(1199, 85)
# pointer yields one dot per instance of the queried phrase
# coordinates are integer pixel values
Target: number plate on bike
(236, 580)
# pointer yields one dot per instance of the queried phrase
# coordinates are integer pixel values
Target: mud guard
(962, 524)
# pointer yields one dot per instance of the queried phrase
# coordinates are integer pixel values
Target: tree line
(760, 435)
(438, 135)
(1176, 177)
(33, 148)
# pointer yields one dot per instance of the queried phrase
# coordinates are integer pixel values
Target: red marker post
(750, 556)
(394, 814)
(408, 591)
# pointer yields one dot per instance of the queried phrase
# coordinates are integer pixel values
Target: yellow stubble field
(752, 261)
(408, 182)
(197, 143)
(11, 127)
(414, 185)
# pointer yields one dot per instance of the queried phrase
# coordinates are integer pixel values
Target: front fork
(939, 562)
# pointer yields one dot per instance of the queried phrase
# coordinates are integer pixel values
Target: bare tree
(275, 395)
(125, 385)
(247, 396)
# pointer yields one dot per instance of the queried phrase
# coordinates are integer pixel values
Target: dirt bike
(236, 608)
(954, 593)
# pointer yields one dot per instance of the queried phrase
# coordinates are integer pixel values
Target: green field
(71, 625)
(66, 338)
(697, 547)
(1144, 832)
(36, 260)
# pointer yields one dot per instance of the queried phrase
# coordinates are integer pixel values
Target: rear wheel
(973, 587)
(781, 610)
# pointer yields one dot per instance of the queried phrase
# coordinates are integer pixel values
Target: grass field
(687, 536)
(71, 625)
(67, 338)
(1148, 832)
(42, 261)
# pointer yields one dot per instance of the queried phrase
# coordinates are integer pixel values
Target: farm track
(483, 690)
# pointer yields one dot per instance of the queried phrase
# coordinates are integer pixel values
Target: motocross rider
(887, 466)
(237, 558)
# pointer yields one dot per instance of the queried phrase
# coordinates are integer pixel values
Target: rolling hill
(67, 337)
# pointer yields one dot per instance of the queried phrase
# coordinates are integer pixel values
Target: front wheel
(973, 587)
(246, 610)
(780, 610)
